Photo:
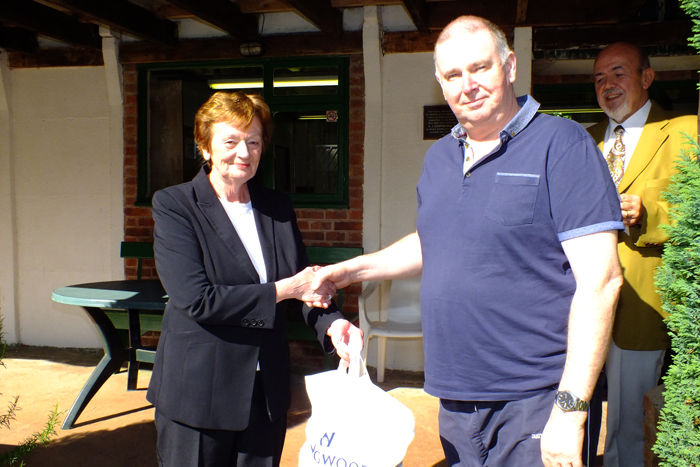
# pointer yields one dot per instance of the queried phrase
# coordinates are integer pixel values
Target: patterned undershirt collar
(528, 109)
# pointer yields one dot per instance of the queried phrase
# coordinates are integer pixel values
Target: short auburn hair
(236, 108)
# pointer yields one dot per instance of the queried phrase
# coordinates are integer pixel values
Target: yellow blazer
(639, 319)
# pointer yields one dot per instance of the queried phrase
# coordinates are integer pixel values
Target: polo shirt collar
(528, 109)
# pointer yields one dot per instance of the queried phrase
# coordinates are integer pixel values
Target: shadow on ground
(81, 357)
(128, 446)
(116, 429)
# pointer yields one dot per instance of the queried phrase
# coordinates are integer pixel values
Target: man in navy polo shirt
(516, 240)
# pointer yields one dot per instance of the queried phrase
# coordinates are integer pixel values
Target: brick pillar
(138, 221)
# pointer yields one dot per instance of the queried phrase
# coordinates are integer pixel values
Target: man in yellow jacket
(641, 143)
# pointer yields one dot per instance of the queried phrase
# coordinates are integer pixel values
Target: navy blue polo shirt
(497, 287)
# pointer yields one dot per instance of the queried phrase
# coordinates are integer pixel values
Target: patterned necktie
(616, 157)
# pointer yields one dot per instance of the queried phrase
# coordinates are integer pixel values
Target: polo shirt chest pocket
(513, 197)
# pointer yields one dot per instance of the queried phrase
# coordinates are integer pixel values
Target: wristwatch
(567, 402)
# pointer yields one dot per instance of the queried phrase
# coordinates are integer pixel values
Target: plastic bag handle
(357, 367)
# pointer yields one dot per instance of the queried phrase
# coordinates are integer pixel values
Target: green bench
(130, 330)
(138, 250)
(149, 321)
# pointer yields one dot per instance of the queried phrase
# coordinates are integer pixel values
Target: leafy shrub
(14, 456)
(678, 282)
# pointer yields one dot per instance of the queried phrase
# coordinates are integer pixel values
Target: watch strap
(577, 404)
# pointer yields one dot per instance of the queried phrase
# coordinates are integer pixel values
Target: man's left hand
(632, 209)
(562, 439)
(346, 338)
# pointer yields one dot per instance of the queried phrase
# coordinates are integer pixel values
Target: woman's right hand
(299, 287)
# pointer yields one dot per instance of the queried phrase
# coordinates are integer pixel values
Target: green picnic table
(135, 305)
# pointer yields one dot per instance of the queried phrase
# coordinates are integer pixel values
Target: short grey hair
(470, 24)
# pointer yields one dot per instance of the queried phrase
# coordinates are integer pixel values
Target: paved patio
(116, 428)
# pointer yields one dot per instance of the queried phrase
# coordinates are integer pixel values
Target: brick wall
(138, 222)
(319, 227)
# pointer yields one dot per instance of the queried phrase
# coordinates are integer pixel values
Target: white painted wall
(407, 84)
(61, 179)
(522, 47)
(8, 234)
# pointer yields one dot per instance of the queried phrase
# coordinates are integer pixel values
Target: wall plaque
(438, 120)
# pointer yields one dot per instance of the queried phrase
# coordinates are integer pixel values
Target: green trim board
(331, 254)
(139, 250)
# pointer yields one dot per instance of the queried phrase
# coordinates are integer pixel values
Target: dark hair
(237, 108)
(644, 62)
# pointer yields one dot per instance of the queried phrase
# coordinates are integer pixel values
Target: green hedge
(678, 281)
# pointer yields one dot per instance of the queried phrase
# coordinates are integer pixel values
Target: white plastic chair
(403, 317)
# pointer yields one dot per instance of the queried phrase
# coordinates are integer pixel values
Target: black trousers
(259, 445)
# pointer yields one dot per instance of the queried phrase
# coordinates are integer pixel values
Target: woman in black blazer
(231, 258)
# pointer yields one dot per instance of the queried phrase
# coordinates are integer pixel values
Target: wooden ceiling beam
(222, 14)
(665, 33)
(288, 45)
(361, 3)
(321, 14)
(56, 57)
(510, 13)
(418, 12)
(567, 13)
(500, 12)
(264, 6)
(125, 17)
(49, 22)
(521, 12)
(18, 40)
(598, 36)
(629, 8)
(408, 42)
(413, 41)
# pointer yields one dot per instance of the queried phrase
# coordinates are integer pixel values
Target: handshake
(316, 286)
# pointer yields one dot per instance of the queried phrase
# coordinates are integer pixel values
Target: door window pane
(305, 153)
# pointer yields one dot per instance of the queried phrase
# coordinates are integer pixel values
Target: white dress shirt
(633, 126)
(243, 220)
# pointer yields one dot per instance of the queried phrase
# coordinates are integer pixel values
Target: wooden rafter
(507, 13)
(125, 17)
(321, 14)
(521, 12)
(417, 11)
(18, 40)
(292, 45)
(222, 14)
(597, 36)
(49, 22)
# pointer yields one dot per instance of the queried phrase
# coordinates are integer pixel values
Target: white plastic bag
(353, 422)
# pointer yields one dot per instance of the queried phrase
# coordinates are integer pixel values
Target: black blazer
(220, 321)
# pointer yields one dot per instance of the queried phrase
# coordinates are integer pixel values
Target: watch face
(565, 400)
